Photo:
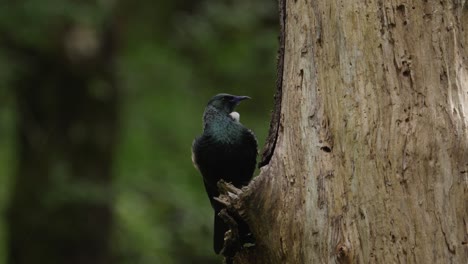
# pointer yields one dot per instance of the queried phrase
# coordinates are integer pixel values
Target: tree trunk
(67, 123)
(367, 160)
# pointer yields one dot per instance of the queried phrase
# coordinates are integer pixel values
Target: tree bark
(369, 161)
(67, 126)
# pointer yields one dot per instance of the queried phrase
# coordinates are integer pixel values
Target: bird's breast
(233, 162)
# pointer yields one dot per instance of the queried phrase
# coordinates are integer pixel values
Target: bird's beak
(238, 99)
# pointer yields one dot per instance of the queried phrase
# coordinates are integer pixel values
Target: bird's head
(225, 103)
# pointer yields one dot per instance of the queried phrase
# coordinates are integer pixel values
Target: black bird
(226, 150)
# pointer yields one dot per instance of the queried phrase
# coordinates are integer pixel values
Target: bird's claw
(226, 188)
(222, 201)
(231, 238)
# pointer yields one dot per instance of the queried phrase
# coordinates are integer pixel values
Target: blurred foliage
(173, 56)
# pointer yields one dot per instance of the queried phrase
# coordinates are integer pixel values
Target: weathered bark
(370, 161)
(67, 124)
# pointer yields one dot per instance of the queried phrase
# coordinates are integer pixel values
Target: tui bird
(226, 150)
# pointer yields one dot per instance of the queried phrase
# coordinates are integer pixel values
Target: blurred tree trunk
(67, 126)
(368, 158)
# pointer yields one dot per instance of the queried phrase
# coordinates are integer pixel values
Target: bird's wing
(249, 156)
(194, 161)
(212, 192)
(252, 140)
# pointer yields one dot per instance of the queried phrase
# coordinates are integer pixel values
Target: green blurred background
(160, 62)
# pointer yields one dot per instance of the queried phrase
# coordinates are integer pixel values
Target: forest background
(171, 57)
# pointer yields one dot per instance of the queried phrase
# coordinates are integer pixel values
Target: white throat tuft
(235, 116)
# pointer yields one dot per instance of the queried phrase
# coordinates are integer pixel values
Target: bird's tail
(220, 229)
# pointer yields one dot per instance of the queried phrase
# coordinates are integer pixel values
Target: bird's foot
(233, 214)
(231, 238)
